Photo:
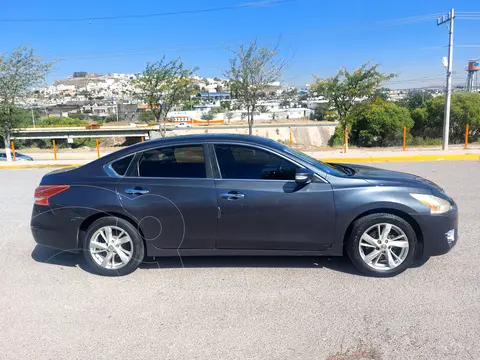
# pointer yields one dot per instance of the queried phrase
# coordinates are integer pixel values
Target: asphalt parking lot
(51, 307)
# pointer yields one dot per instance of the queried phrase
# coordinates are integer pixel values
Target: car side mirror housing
(303, 176)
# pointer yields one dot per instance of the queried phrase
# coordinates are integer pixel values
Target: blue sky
(320, 36)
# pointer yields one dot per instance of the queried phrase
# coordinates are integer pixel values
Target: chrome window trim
(110, 172)
(166, 178)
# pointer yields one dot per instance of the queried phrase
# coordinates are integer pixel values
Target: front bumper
(437, 232)
(50, 228)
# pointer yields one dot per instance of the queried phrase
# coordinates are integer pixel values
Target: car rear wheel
(113, 247)
(381, 245)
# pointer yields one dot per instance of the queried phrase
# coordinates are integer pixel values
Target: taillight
(44, 192)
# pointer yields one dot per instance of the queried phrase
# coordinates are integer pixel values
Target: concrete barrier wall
(303, 136)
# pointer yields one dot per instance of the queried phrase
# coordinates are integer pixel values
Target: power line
(406, 20)
(141, 16)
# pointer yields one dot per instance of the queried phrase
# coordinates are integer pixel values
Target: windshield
(329, 169)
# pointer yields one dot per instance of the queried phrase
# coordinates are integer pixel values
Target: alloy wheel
(111, 247)
(383, 246)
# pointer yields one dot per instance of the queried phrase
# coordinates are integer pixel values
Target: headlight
(437, 205)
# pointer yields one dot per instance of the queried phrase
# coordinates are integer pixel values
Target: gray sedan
(205, 195)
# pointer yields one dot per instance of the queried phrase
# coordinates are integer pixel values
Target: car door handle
(232, 195)
(137, 191)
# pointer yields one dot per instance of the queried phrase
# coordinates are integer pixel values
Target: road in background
(239, 308)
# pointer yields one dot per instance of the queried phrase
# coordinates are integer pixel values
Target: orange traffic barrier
(466, 136)
(98, 148)
(404, 138)
(143, 139)
(12, 146)
(54, 150)
(291, 139)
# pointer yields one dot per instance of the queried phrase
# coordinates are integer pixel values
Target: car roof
(184, 139)
(212, 137)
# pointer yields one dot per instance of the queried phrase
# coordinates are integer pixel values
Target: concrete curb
(366, 159)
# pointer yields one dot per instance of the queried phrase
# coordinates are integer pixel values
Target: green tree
(225, 105)
(146, 117)
(378, 123)
(262, 109)
(347, 88)
(381, 93)
(229, 116)
(20, 71)
(163, 85)
(420, 119)
(415, 99)
(209, 115)
(465, 109)
(319, 112)
(252, 69)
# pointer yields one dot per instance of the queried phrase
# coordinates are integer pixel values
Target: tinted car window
(180, 161)
(121, 166)
(243, 162)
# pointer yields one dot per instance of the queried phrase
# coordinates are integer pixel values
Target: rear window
(121, 166)
(176, 161)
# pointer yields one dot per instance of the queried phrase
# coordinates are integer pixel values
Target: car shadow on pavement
(335, 263)
(46, 255)
(51, 256)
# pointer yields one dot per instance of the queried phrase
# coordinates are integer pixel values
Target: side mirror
(303, 176)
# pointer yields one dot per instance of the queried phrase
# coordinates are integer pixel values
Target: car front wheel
(113, 247)
(381, 245)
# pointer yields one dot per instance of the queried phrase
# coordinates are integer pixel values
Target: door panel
(175, 212)
(275, 215)
(172, 197)
(262, 207)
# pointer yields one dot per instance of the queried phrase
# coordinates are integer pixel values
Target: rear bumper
(440, 232)
(54, 230)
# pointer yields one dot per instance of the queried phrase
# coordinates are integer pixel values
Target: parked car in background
(92, 126)
(183, 125)
(19, 156)
(239, 195)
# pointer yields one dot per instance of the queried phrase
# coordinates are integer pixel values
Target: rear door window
(186, 161)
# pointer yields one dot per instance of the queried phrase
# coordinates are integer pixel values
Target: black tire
(138, 249)
(363, 224)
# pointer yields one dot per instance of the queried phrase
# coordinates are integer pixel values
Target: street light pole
(448, 91)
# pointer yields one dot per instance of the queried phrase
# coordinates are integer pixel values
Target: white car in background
(183, 125)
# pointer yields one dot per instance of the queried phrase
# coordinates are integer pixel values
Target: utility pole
(448, 92)
(33, 118)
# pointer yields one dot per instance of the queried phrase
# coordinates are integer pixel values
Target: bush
(60, 121)
(77, 115)
(81, 142)
(419, 141)
(465, 109)
(378, 123)
(337, 138)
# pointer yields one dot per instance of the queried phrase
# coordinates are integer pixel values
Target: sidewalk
(355, 155)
